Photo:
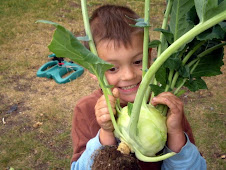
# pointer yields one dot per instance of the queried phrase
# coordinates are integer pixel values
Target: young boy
(122, 45)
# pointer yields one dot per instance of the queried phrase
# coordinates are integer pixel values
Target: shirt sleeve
(188, 158)
(86, 159)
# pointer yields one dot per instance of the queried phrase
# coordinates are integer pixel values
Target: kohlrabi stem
(146, 37)
(145, 62)
(105, 92)
(89, 34)
(171, 73)
(144, 158)
(185, 79)
(180, 86)
(161, 59)
(205, 53)
(163, 108)
(103, 83)
(87, 27)
(209, 50)
(164, 24)
(186, 58)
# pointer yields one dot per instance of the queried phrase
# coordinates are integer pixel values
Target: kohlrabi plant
(190, 47)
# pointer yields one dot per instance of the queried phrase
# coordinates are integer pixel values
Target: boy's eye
(113, 69)
(138, 62)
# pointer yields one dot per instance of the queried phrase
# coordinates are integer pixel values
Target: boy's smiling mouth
(129, 88)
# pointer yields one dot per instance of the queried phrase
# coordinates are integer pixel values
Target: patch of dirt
(109, 158)
(74, 5)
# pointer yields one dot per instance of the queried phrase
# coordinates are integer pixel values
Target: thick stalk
(163, 108)
(161, 59)
(171, 73)
(103, 83)
(164, 26)
(87, 27)
(144, 158)
(205, 53)
(105, 92)
(186, 58)
(146, 37)
(180, 86)
(145, 61)
(89, 33)
(211, 49)
(185, 79)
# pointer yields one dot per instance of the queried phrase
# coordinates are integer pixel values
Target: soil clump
(109, 158)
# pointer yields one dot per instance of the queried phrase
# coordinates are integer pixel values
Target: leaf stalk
(161, 59)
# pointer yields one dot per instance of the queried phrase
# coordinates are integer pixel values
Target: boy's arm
(85, 161)
(188, 158)
(105, 135)
(84, 124)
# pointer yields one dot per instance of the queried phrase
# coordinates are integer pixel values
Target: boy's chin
(127, 99)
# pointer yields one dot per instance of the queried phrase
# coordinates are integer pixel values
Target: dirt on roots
(109, 158)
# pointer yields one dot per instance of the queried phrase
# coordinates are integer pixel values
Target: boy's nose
(128, 74)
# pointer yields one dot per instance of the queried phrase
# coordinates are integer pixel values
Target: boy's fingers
(101, 103)
(104, 111)
(168, 95)
(105, 118)
(108, 126)
(174, 105)
(115, 93)
(162, 100)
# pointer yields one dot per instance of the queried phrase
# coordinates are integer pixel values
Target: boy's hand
(176, 138)
(102, 113)
(104, 119)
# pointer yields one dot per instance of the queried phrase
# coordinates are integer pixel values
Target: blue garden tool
(61, 71)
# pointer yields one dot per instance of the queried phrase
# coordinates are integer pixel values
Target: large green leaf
(178, 20)
(161, 75)
(210, 65)
(65, 44)
(196, 84)
(157, 89)
(173, 63)
(215, 32)
(192, 16)
(184, 71)
(154, 43)
(216, 10)
(167, 34)
(223, 26)
(208, 8)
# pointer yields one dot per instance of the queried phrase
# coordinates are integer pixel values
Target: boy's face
(126, 74)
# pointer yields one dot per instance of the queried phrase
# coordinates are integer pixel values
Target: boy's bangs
(111, 22)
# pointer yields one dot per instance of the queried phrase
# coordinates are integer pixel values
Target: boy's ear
(93, 76)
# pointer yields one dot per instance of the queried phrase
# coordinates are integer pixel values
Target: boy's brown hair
(111, 22)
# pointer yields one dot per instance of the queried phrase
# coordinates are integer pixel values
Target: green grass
(24, 49)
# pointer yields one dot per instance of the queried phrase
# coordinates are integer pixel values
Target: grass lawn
(36, 113)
